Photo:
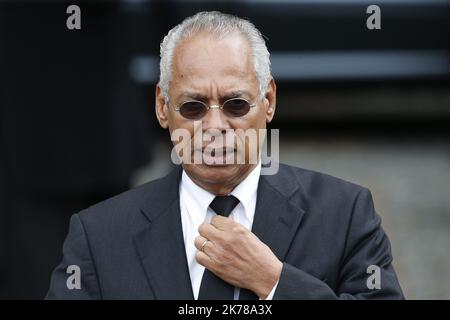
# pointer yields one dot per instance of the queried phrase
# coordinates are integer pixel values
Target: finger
(200, 242)
(208, 231)
(228, 226)
(221, 222)
(203, 259)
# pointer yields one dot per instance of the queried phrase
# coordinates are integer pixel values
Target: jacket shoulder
(125, 208)
(311, 181)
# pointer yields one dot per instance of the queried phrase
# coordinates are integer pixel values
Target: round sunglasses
(195, 110)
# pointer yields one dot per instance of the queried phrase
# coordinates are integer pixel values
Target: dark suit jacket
(325, 231)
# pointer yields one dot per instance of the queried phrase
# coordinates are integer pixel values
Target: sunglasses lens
(193, 110)
(236, 107)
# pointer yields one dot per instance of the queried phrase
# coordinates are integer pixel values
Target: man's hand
(237, 256)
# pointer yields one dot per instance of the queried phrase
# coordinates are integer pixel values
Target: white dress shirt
(194, 206)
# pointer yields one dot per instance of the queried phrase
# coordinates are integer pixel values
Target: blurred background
(77, 120)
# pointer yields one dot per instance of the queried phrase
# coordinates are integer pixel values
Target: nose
(215, 119)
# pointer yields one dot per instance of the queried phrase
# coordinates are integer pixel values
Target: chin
(217, 173)
(214, 173)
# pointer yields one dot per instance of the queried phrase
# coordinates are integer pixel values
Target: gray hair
(219, 24)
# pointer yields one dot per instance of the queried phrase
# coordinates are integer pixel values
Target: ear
(161, 109)
(270, 100)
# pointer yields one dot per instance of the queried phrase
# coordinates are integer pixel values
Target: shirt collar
(245, 192)
(200, 196)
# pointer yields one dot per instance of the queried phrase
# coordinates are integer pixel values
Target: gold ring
(203, 245)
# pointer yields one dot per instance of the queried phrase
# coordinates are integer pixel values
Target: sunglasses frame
(208, 107)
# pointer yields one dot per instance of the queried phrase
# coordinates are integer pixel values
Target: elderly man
(217, 229)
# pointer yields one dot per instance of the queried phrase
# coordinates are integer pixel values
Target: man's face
(214, 70)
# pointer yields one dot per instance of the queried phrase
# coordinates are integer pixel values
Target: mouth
(216, 156)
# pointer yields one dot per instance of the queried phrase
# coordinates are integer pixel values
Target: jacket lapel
(278, 215)
(161, 246)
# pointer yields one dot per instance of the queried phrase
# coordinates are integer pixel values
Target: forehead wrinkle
(189, 72)
(189, 59)
(218, 75)
(215, 86)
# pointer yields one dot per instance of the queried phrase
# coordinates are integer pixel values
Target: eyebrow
(229, 95)
(193, 95)
(236, 94)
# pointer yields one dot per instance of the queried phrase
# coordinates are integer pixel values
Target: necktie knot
(223, 205)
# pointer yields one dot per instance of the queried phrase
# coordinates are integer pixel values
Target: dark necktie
(212, 287)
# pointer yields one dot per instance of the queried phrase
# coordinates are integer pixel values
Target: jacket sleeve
(75, 277)
(366, 245)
